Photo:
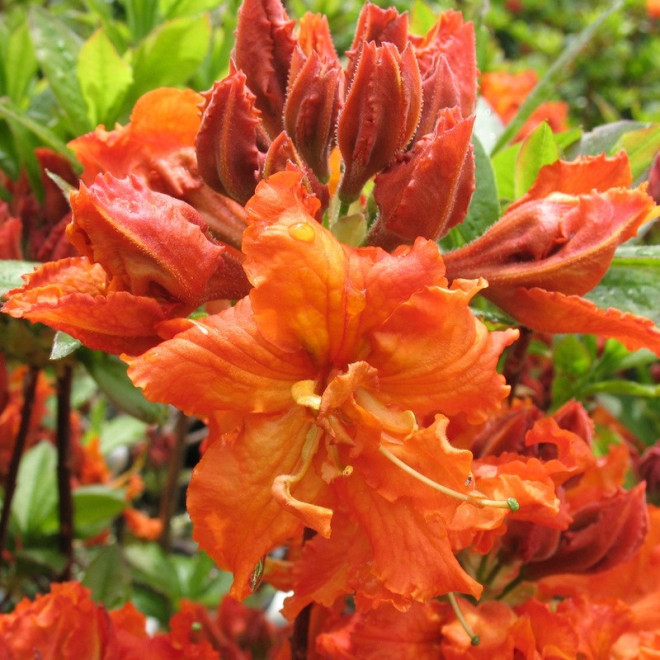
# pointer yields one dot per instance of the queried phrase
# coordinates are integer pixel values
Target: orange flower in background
(139, 246)
(554, 245)
(315, 387)
(506, 92)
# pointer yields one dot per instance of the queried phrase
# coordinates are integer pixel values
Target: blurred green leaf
(108, 577)
(35, 498)
(109, 372)
(537, 149)
(170, 54)
(603, 138)
(504, 166)
(151, 566)
(641, 146)
(56, 48)
(96, 504)
(20, 64)
(63, 345)
(628, 387)
(121, 431)
(104, 79)
(11, 273)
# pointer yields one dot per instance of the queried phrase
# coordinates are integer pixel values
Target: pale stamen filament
(511, 503)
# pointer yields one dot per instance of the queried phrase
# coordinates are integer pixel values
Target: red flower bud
(427, 190)
(380, 114)
(316, 92)
(264, 45)
(230, 143)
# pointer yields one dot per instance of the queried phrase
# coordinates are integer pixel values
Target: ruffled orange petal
(235, 516)
(551, 311)
(221, 363)
(432, 355)
(70, 295)
(163, 120)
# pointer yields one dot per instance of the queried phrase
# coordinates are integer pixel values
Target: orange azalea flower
(158, 145)
(139, 246)
(314, 387)
(555, 244)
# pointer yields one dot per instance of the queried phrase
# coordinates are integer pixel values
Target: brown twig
(300, 633)
(63, 441)
(29, 389)
(171, 490)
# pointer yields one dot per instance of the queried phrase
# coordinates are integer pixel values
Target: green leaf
(63, 345)
(104, 79)
(504, 166)
(108, 577)
(548, 83)
(151, 566)
(537, 150)
(109, 372)
(176, 8)
(641, 146)
(96, 504)
(628, 387)
(484, 207)
(171, 53)
(35, 498)
(57, 48)
(20, 64)
(422, 18)
(11, 273)
(142, 17)
(632, 284)
(121, 431)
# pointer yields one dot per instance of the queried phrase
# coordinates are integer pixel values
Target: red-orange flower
(315, 387)
(148, 257)
(554, 245)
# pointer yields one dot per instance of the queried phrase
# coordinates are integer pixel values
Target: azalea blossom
(327, 392)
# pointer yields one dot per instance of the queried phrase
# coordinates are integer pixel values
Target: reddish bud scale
(228, 154)
(427, 190)
(380, 114)
(264, 45)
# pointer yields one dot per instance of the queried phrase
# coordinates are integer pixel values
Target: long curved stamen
(511, 503)
(474, 639)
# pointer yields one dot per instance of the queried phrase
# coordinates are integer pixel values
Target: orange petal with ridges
(221, 363)
(235, 517)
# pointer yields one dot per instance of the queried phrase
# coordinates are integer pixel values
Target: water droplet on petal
(302, 231)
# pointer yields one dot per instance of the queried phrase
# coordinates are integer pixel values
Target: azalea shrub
(348, 352)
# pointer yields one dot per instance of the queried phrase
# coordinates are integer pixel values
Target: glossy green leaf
(11, 273)
(641, 146)
(484, 207)
(35, 498)
(171, 53)
(109, 372)
(56, 48)
(104, 78)
(108, 577)
(537, 150)
(632, 284)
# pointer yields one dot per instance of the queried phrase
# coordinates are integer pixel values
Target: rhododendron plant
(317, 357)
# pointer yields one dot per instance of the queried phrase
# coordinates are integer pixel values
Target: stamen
(399, 422)
(474, 639)
(510, 503)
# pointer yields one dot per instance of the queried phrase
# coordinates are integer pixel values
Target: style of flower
(327, 392)
(400, 111)
(138, 247)
(554, 244)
